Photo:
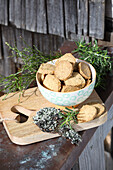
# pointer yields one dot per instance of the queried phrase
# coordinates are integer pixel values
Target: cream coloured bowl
(68, 98)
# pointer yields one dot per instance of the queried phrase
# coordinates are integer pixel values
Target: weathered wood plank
(31, 15)
(108, 161)
(23, 39)
(96, 18)
(0, 44)
(85, 27)
(23, 11)
(11, 11)
(47, 43)
(92, 156)
(8, 35)
(41, 17)
(55, 17)
(100, 20)
(109, 8)
(4, 12)
(92, 19)
(79, 17)
(109, 124)
(70, 17)
(18, 13)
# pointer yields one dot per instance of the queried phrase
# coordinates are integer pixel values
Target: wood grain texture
(41, 17)
(1, 55)
(109, 8)
(48, 44)
(32, 100)
(70, 8)
(92, 156)
(96, 18)
(4, 12)
(23, 40)
(31, 15)
(55, 17)
(8, 36)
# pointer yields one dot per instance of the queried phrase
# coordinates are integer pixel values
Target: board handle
(23, 110)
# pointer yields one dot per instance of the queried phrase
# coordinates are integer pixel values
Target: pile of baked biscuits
(66, 75)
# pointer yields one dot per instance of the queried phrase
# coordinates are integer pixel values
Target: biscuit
(63, 70)
(68, 57)
(75, 80)
(84, 70)
(100, 108)
(52, 83)
(46, 68)
(86, 113)
(69, 88)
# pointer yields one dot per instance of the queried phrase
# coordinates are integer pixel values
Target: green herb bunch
(31, 58)
(96, 56)
(68, 115)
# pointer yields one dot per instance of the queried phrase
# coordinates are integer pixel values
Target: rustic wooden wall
(47, 23)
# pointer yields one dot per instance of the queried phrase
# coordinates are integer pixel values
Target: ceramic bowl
(68, 98)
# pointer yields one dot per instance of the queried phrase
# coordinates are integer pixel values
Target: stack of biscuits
(66, 75)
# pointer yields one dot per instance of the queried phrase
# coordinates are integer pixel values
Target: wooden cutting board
(27, 132)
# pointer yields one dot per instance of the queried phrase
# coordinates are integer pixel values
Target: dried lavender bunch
(49, 120)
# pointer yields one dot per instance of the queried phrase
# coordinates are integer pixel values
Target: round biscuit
(63, 70)
(84, 70)
(100, 108)
(52, 83)
(87, 113)
(46, 68)
(75, 80)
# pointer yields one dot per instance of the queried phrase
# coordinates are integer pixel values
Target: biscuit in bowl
(68, 57)
(84, 70)
(63, 70)
(70, 98)
(52, 83)
(76, 80)
(46, 68)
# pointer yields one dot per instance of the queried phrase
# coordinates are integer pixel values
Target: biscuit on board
(52, 83)
(86, 113)
(100, 108)
(46, 68)
(69, 88)
(75, 80)
(84, 70)
(63, 70)
(68, 57)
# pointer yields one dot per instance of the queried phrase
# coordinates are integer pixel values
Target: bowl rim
(72, 91)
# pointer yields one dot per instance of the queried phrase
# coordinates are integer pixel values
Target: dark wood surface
(54, 154)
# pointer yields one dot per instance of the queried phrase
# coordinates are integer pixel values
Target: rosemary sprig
(31, 58)
(96, 56)
(68, 115)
